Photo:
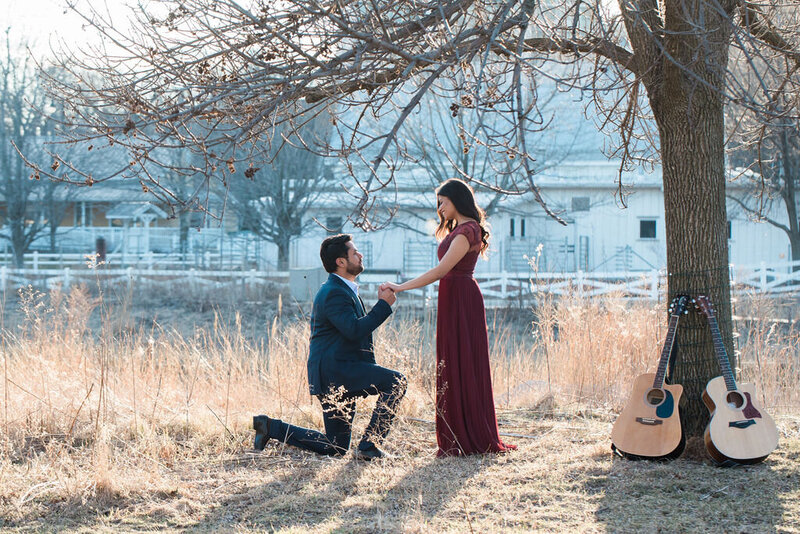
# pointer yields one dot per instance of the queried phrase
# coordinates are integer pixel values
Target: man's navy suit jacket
(340, 352)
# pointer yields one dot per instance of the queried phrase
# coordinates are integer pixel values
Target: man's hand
(391, 285)
(387, 295)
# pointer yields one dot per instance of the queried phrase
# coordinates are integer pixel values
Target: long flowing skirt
(465, 418)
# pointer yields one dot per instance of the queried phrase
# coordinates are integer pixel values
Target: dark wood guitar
(739, 432)
(649, 427)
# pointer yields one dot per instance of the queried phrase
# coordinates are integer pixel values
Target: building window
(511, 228)
(730, 231)
(647, 229)
(522, 227)
(580, 203)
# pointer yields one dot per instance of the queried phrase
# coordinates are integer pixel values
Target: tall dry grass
(768, 350)
(88, 414)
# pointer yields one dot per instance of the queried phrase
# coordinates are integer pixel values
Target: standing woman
(465, 416)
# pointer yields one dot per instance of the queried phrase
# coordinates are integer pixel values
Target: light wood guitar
(739, 432)
(649, 426)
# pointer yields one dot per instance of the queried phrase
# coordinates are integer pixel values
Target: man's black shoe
(371, 453)
(261, 426)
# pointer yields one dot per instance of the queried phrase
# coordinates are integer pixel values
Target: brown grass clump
(769, 351)
(148, 428)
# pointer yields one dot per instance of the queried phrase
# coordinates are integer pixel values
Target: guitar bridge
(649, 421)
(741, 424)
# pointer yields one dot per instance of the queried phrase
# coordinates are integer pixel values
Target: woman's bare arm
(458, 249)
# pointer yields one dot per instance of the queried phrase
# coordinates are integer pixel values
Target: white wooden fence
(496, 287)
(11, 279)
(767, 278)
(207, 260)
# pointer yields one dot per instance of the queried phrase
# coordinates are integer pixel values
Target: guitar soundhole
(735, 399)
(655, 397)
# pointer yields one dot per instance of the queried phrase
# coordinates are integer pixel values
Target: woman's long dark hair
(463, 199)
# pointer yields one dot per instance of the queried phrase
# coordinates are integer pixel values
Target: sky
(40, 21)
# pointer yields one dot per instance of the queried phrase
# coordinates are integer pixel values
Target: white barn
(601, 235)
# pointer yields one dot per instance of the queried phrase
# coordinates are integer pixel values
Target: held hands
(391, 285)
(387, 295)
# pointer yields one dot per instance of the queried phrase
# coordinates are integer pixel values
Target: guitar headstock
(678, 305)
(705, 306)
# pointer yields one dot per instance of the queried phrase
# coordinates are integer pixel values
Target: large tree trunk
(690, 118)
(697, 247)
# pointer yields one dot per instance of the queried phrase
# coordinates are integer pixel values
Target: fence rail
(765, 278)
(11, 279)
(208, 260)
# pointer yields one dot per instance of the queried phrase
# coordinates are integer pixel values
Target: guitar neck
(669, 341)
(722, 355)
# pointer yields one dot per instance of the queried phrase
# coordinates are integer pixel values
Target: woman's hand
(391, 285)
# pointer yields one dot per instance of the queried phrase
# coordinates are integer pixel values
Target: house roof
(135, 210)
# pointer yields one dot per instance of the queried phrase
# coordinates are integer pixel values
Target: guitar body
(739, 430)
(649, 426)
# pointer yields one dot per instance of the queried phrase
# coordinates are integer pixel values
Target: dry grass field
(124, 427)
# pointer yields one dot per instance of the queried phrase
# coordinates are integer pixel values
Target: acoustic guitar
(739, 432)
(649, 427)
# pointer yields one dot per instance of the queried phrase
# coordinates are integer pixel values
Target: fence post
(3, 277)
(66, 278)
(130, 277)
(579, 282)
(35, 260)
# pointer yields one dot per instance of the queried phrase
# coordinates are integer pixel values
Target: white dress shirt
(351, 285)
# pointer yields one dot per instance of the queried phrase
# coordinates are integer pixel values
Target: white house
(601, 234)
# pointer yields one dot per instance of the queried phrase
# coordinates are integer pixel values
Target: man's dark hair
(332, 248)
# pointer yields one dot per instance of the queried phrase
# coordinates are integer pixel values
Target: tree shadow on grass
(305, 491)
(345, 495)
(690, 494)
(417, 497)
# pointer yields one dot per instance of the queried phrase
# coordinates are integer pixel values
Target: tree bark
(697, 247)
(690, 118)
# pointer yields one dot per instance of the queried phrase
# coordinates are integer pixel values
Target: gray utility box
(304, 283)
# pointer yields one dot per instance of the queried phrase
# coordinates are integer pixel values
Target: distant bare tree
(446, 143)
(218, 77)
(23, 126)
(765, 148)
(771, 168)
(273, 201)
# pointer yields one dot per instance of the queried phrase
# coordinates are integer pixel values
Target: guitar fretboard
(669, 341)
(722, 354)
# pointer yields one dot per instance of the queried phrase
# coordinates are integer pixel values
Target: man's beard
(354, 268)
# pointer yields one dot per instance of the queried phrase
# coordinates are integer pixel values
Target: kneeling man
(341, 362)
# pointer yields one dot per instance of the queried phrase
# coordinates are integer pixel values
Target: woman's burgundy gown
(465, 417)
